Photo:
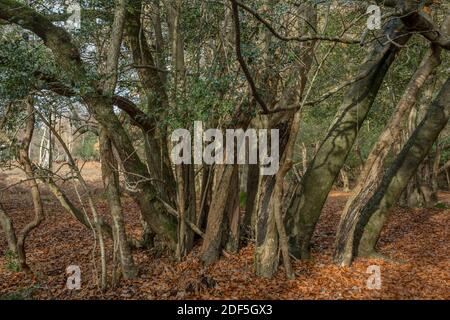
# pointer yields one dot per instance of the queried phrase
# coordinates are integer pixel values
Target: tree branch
(267, 24)
(241, 59)
(416, 21)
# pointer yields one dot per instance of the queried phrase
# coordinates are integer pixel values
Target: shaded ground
(418, 237)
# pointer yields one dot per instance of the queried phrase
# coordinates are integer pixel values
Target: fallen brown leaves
(418, 238)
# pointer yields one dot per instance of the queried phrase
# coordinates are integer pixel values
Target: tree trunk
(216, 226)
(157, 103)
(376, 211)
(269, 232)
(24, 151)
(252, 191)
(111, 183)
(186, 208)
(420, 192)
(435, 173)
(304, 159)
(233, 213)
(371, 174)
(345, 181)
(9, 231)
(304, 211)
(266, 245)
(447, 177)
(205, 200)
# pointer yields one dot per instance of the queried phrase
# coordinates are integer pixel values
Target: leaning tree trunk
(233, 214)
(270, 235)
(23, 154)
(420, 192)
(371, 174)
(110, 178)
(376, 211)
(186, 208)
(216, 224)
(304, 211)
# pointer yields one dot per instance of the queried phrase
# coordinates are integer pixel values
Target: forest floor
(418, 239)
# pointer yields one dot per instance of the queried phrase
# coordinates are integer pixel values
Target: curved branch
(241, 59)
(281, 37)
(414, 20)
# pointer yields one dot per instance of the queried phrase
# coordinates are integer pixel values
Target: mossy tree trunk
(376, 211)
(110, 178)
(371, 174)
(305, 208)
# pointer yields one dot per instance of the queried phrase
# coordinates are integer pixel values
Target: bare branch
(241, 59)
(297, 38)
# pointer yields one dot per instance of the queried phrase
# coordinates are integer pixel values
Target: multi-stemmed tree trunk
(16, 243)
(25, 162)
(270, 234)
(154, 90)
(304, 211)
(110, 175)
(222, 208)
(371, 174)
(186, 208)
(216, 225)
(186, 172)
(420, 191)
(376, 211)
(267, 235)
(99, 105)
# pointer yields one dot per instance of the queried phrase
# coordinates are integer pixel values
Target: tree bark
(304, 211)
(9, 231)
(252, 191)
(216, 228)
(111, 183)
(270, 235)
(233, 214)
(371, 174)
(376, 211)
(23, 155)
(99, 105)
(186, 208)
